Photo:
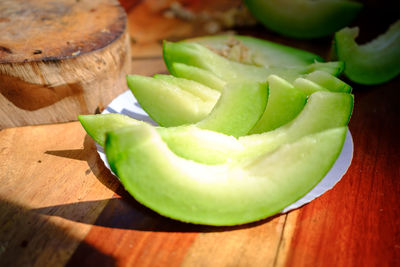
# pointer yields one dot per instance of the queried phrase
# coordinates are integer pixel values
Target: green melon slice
(196, 55)
(224, 194)
(323, 110)
(255, 51)
(169, 104)
(372, 63)
(284, 103)
(235, 113)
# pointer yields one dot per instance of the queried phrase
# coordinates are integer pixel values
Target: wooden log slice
(59, 59)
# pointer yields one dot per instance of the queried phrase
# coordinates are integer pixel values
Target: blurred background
(151, 21)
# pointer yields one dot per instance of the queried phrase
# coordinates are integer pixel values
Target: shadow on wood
(124, 212)
(38, 240)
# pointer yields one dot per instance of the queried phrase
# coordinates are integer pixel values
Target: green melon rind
(372, 63)
(199, 75)
(262, 52)
(285, 102)
(226, 194)
(323, 110)
(334, 68)
(98, 125)
(308, 87)
(200, 57)
(205, 93)
(166, 103)
(328, 81)
(235, 112)
(238, 109)
(187, 141)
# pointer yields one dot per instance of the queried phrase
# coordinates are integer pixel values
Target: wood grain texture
(256, 244)
(60, 59)
(358, 222)
(175, 20)
(138, 236)
(135, 235)
(148, 66)
(42, 30)
(53, 189)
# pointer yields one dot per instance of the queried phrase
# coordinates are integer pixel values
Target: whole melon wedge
(375, 62)
(223, 194)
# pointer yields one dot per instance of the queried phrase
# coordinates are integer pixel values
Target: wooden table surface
(60, 206)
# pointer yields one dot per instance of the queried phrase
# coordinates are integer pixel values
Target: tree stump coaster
(59, 59)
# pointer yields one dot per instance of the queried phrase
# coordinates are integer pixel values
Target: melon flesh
(375, 62)
(223, 194)
(324, 110)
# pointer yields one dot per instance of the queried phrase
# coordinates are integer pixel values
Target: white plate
(127, 104)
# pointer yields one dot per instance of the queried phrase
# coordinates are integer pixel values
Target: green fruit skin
(178, 108)
(203, 92)
(304, 19)
(196, 55)
(284, 103)
(308, 87)
(372, 63)
(238, 109)
(328, 81)
(187, 141)
(261, 52)
(225, 194)
(323, 110)
(98, 125)
(235, 113)
(321, 81)
(196, 74)
(200, 57)
(167, 103)
(334, 68)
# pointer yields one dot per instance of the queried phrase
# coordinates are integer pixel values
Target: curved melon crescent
(224, 194)
(198, 56)
(371, 63)
(323, 110)
(258, 51)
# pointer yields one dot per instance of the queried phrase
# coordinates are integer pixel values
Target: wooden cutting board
(59, 59)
